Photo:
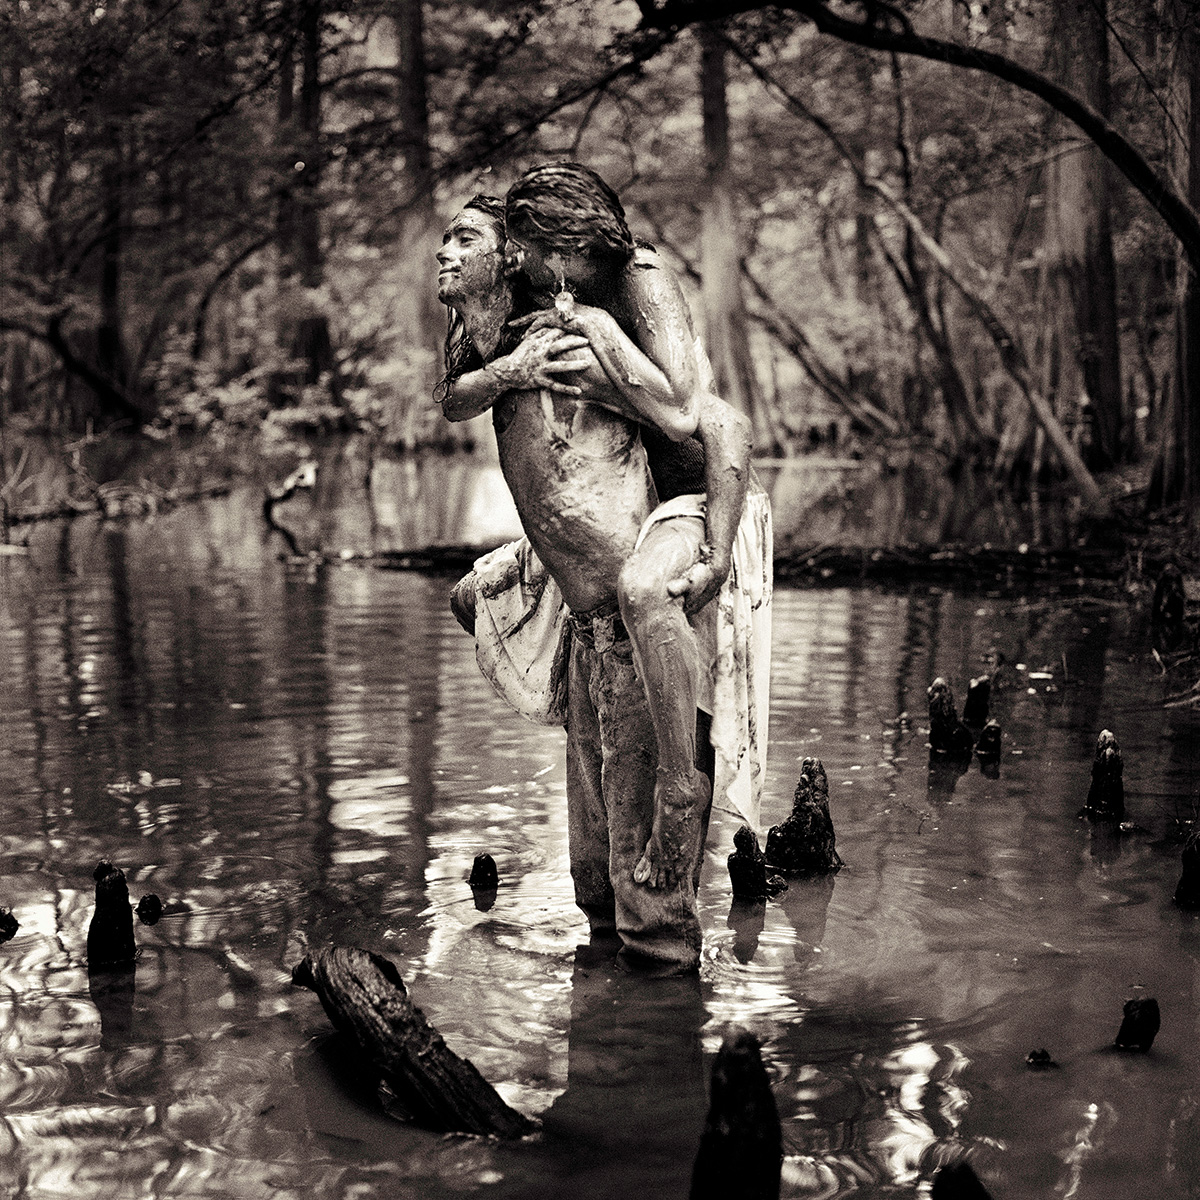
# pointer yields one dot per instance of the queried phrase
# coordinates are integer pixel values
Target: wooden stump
(1139, 1025)
(741, 1150)
(110, 935)
(149, 909)
(1187, 891)
(948, 736)
(365, 998)
(988, 746)
(804, 843)
(748, 869)
(975, 708)
(8, 925)
(1106, 795)
(484, 876)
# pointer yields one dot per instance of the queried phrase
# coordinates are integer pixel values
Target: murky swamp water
(293, 757)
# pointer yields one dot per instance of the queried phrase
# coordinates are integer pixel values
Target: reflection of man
(579, 476)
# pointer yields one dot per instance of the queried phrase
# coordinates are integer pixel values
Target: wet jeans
(611, 760)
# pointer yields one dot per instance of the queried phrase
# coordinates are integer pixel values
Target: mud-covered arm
(725, 434)
(640, 389)
(533, 364)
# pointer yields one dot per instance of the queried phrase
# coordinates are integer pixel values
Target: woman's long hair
(460, 354)
(566, 206)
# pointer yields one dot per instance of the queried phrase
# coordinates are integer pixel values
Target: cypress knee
(1187, 892)
(1139, 1025)
(1106, 795)
(748, 869)
(975, 708)
(110, 935)
(741, 1149)
(948, 736)
(804, 843)
(958, 1181)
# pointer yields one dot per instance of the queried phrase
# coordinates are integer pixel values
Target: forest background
(969, 227)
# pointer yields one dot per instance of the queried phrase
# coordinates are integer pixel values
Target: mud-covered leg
(668, 664)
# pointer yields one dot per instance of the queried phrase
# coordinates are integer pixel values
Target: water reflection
(293, 758)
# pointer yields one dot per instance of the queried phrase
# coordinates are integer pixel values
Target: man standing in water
(579, 475)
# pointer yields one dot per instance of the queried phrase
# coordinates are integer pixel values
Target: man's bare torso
(579, 477)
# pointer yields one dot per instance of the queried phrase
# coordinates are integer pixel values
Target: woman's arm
(533, 364)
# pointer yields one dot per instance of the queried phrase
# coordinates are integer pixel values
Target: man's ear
(514, 260)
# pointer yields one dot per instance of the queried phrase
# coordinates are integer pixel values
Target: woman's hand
(576, 318)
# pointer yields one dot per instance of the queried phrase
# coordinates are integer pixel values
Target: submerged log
(948, 736)
(748, 869)
(1106, 795)
(110, 935)
(958, 1181)
(365, 998)
(975, 708)
(1139, 1025)
(1187, 891)
(741, 1149)
(804, 843)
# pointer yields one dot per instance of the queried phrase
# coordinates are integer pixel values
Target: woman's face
(548, 271)
(470, 259)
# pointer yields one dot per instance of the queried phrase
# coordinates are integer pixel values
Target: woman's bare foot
(679, 801)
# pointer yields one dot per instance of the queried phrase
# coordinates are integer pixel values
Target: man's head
(471, 258)
(566, 225)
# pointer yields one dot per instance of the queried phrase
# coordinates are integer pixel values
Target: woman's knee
(641, 589)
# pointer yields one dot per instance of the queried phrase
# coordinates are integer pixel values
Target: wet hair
(460, 354)
(567, 207)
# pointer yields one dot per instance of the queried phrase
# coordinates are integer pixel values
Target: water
(291, 756)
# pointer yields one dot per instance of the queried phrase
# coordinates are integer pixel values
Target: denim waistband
(599, 627)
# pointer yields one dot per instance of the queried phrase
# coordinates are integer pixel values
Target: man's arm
(533, 364)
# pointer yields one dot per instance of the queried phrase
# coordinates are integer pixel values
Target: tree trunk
(416, 420)
(1187, 322)
(724, 306)
(303, 333)
(1079, 235)
(110, 348)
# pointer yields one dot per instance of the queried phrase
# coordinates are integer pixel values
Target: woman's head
(566, 220)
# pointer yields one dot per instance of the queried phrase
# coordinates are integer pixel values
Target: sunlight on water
(294, 758)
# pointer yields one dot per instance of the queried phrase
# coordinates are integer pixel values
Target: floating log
(948, 736)
(149, 909)
(365, 998)
(110, 935)
(1039, 1060)
(1106, 795)
(975, 707)
(748, 869)
(988, 746)
(804, 843)
(741, 1149)
(8, 925)
(1187, 892)
(958, 1181)
(1139, 1025)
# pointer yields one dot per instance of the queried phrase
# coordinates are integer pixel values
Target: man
(583, 488)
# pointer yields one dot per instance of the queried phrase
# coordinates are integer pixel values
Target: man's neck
(484, 319)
